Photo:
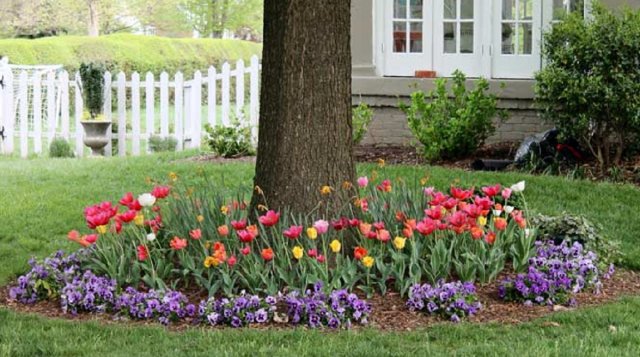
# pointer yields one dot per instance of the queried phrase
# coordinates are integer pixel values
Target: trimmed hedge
(129, 53)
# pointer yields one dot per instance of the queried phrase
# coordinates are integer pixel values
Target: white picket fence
(35, 106)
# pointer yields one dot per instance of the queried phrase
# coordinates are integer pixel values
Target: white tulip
(146, 200)
(508, 209)
(497, 212)
(151, 237)
(519, 187)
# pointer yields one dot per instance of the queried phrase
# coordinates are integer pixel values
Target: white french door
(458, 37)
(407, 37)
(517, 27)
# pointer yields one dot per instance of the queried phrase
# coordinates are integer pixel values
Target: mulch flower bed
(390, 312)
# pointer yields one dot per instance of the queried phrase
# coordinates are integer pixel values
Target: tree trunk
(305, 139)
(94, 18)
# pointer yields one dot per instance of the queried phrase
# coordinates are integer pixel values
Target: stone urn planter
(95, 136)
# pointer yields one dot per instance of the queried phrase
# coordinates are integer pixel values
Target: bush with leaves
(232, 141)
(362, 116)
(452, 124)
(92, 76)
(160, 144)
(60, 148)
(590, 84)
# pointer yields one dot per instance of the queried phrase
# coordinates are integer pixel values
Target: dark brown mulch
(390, 312)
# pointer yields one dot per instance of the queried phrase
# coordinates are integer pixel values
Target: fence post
(196, 110)
(226, 75)
(23, 99)
(64, 108)
(52, 115)
(211, 81)
(37, 114)
(254, 97)
(240, 90)
(78, 111)
(135, 113)
(8, 112)
(164, 104)
(150, 107)
(107, 112)
(122, 114)
(179, 106)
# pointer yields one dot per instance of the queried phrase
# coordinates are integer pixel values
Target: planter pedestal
(95, 136)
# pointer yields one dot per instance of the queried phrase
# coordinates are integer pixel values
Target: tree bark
(94, 18)
(305, 139)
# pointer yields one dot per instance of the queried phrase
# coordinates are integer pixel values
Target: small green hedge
(129, 53)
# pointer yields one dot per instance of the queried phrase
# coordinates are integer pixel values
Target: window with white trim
(489, 38)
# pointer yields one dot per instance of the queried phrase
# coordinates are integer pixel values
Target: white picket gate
(35, 107)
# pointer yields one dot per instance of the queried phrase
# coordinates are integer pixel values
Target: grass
(42, 199)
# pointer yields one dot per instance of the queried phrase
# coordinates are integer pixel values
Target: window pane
(559, 9)
(508, 39)
(525, 41)
(400, 9)
(466, 9)
(399, 36)
(415, 37)
(508, 9)
(450, 9)
(466, 37)
(526, 10)
(416, 9)
(450, 37)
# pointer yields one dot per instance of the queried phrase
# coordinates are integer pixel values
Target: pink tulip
(363, 181)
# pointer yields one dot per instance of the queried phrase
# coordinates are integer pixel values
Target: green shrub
(452, 125)
(159, 144)
(129, 53)
(233, 141)
(362, 116)
(60, 148)
(578, 229)
(92, 76)
(590, 84)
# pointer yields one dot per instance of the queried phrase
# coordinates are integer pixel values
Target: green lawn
(42, 199)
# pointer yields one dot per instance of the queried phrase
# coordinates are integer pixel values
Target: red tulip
(178, 243)
(160, 191)
(232, 261)
(461, 194)
(223, 230)
(128, 216)
(127, 199)
(143, 253)
(91, 238)
(426, 227)
(267, 254)
(196, 234)
(246, 236)
(270, 218)
(491, 190)
(246, 250)
(321, 259)
(239, 225)
(293, 232)
(359, 253)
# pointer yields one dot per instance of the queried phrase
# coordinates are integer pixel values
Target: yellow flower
(101, 229)
(139, 220)
(368, 261)
(335, 246)
(325, 190)
(211, 262)
(482, 221)
(173, 176)
(312, 233)
(200, 218)
(424, 180)
(224, 210)
(380, 163)
(399, 242)
(298, 252)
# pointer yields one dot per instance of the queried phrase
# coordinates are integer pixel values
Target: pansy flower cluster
(166, 307)
(555, 274)
(453, 300)
(316, 309)
(46, 278)
(238, 311)
(89, 293)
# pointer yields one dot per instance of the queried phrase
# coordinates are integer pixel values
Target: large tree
(305, 105)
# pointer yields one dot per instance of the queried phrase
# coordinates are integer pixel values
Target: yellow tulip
(335, 246)
(101, 229)
(211, 262)
(173, 176)
(482, 221)
(368, 261)
(312, 233)
(224, 209)
(298, 252)
(399, 242)
(139, 220)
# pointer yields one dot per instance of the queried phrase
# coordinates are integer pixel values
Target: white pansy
(519, 187)
(151, 237)
(146, 200)
(508, 209)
